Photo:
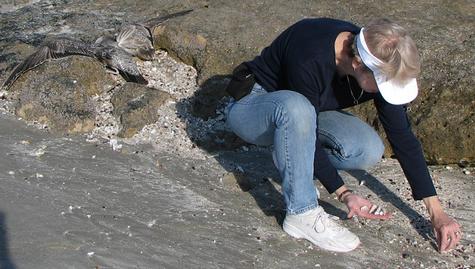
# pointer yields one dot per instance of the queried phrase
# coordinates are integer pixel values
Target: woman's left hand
(447, 231)
(358, 206)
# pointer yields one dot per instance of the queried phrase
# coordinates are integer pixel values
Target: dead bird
(104, 49)
(137, 39)
(107, 50)
(116, 54)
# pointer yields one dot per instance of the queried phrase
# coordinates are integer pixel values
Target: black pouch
(241, 82)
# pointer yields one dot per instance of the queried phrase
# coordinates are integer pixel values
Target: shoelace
(327, 222)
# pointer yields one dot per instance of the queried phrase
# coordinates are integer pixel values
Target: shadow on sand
(420, 223)
(5, 261)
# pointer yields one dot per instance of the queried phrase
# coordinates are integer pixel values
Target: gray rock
(59, 94)
(136, 106)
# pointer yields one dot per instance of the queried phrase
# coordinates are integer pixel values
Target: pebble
(466, 172)
(40, 152)
(3, 94)
(151, 223)
(114, 143)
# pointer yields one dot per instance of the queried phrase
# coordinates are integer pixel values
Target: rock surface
(136, 106)
(59, 94)
(220, 34)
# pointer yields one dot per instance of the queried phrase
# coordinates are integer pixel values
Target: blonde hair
(391, 43)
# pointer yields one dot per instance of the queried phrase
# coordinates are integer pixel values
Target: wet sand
(69, 203)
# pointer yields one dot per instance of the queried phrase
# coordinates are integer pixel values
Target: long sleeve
(406, 147)
(324, 170)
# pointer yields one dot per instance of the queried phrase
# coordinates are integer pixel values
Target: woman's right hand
(359, 206)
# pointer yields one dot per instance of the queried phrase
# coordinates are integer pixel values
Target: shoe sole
(299, 234)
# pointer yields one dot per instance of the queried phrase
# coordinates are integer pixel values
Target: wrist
(341, 197)
(341, 189)
(433, 206)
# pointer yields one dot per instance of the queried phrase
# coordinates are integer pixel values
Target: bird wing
(126, 33)
(32, 61)
(52, 49)
(62, 47)
(150, 24)
(137, 41)
(129, 71)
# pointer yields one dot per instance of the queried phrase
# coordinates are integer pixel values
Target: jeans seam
(248, 103)
(341, 154)
(291, 176)
(287, 158)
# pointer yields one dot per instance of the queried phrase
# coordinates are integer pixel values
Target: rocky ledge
(218, 35)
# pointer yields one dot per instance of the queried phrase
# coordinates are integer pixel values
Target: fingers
(356, 210)
(453, 240)
(443, 241)
(368, 215)
(457, 236)
(352, 213)
(374, 212)
(374, 208)
(448, 238)
(359, 206)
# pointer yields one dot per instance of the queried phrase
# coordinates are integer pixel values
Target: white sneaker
(316, 226)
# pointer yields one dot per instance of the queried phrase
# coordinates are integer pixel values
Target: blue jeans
(287, 120)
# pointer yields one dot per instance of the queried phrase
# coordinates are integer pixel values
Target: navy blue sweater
(302, 59)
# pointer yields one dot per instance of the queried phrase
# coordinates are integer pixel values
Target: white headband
(366, 56)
